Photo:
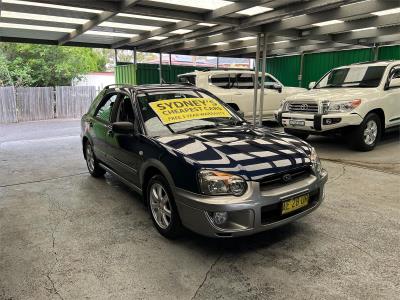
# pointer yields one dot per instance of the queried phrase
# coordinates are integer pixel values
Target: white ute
(237, 87)
(359, 101)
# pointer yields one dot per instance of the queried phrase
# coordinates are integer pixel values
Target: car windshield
(178, 111)
(355, 76)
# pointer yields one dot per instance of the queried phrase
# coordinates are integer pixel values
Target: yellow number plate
(295, 203)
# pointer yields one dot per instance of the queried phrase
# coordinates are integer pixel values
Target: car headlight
(220, 183)
(343, 106)
(315, 162)
(282, 106)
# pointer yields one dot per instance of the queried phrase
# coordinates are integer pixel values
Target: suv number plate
(297, 122)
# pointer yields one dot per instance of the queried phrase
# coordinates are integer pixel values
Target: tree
(43, 65)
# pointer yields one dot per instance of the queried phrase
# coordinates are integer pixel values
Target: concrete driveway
(66, 235)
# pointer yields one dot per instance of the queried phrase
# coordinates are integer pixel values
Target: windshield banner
(185, 109)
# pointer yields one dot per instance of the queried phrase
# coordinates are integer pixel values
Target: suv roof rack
(373, 61)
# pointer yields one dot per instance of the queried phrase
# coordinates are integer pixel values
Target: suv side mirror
(394, 83)
(277, 87)
(123, 127)
(234, 106)
(311, 85)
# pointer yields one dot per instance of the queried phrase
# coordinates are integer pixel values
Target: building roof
(207, 27)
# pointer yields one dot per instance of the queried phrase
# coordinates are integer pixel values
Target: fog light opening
(220, 218)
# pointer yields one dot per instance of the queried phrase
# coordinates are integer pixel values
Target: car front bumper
(259, 209)
(317, 122)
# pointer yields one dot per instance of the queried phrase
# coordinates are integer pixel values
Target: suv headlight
(220, 183)
(283, 105)
(343, 106)
(315, 161)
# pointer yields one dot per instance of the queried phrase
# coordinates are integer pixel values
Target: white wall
(99, 80)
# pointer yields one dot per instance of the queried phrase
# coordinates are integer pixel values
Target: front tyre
(298, 133)
(162, 208)
(92, 164)
(365, 136)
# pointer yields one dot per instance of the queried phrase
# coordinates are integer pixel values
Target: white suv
(234, 86)
(359, 101)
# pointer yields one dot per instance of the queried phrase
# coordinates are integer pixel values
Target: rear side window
(244, 81)
(222, 81)
(188, 79)
(105, 108)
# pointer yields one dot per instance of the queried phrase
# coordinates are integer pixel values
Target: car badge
(304, 107)
(287, 177)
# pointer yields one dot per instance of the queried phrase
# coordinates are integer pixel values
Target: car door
(392, 99)
(125, 149)
(99, 125)
(272, 96)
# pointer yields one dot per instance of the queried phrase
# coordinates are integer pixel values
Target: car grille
(303, 107)
(278, 179)
(273, 213)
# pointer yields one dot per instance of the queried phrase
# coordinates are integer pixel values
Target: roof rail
(116, 85)
(373, 61)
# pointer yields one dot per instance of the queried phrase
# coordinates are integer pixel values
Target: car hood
(252, 154)
(334, 94)
(292, 90)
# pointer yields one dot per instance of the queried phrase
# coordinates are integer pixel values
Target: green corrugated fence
(285, 68)
(125, 74)
(389, 52)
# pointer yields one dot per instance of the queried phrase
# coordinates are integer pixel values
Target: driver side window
(125, 110)
(104, 111)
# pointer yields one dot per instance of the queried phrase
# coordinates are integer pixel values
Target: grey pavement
(66, 235)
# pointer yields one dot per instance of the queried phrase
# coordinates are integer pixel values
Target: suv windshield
(355, 76)
(177, 111)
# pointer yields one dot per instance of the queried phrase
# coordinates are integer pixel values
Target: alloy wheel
(90, 158)
(160, 205)
(370, 132)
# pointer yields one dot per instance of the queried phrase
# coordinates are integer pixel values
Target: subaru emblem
(287, 177)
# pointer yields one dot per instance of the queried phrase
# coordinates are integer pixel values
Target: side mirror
(311, 85)
(394, 83)
(123, 127)
(277, 87)
(234, 106)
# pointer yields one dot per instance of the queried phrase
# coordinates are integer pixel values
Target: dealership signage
(179, 110)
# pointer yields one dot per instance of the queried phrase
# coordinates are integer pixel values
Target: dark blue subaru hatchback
(197, 163)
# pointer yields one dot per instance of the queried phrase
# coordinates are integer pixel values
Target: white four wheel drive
(359, 101)
(237, 87)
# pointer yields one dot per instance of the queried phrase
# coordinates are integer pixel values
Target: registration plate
(297, 122)
(295, 203)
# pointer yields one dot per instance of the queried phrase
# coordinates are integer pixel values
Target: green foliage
(43, 65)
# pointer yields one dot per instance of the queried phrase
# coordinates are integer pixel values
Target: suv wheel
(162, 208)
(299, 133)
(365, 136)
(92, 164)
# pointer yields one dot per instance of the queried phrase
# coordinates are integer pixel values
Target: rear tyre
(91, 162)
(162, 208)
(299, 133)
(365, 136)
